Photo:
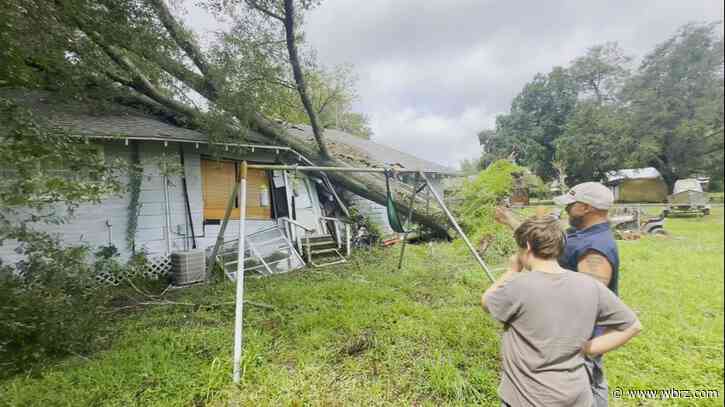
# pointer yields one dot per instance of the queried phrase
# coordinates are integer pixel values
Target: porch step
(331, 263)
(323, 251)
(321, 238)
(315, 248)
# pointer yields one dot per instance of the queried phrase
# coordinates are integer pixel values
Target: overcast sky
(434, 73)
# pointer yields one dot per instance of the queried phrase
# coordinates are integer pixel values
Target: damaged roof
(366, 152)
(114, 120)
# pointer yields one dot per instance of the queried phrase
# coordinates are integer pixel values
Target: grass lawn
(367, 334)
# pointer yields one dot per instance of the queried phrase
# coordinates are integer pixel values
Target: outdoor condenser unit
(188, 267)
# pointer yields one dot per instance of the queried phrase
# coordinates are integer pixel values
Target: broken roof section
(368, 153)
(632, 173)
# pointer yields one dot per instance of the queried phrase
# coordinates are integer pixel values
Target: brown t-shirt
(548, 319)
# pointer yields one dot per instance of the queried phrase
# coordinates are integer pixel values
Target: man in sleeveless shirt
(590, 248)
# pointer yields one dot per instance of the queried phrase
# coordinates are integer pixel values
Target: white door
(307, 205)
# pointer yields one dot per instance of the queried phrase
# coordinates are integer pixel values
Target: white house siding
(151, 227)
(89, 223)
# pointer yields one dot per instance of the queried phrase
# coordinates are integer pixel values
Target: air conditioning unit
(188, 267)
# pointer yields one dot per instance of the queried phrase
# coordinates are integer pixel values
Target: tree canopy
(537, 119)
(332, 93)
(599, 115)
(140, 53)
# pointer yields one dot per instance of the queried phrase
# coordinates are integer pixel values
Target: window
(218, 179)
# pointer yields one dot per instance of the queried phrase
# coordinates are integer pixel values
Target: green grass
(367, 334)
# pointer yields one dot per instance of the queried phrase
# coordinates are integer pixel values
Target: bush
(369, 231)
(538, 189)
(48, 305)
(477, 201)
(50, 302)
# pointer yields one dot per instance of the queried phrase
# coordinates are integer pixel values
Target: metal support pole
(189, 220)
(110, 232)
(458, 228)
(321, 168)
(167, 215)
(239, 310)
(407, 220)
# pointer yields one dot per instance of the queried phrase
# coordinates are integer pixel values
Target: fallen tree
(139, 53)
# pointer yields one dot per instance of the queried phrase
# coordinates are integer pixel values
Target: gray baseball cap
(592, 193)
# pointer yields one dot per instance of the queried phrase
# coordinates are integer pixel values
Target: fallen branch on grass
(86, 358)
(144, 293)
(191, 304)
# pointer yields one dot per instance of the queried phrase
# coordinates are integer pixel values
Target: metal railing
(291, 224)
(346, 226)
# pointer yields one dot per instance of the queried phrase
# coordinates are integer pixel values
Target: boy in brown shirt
(549, 313)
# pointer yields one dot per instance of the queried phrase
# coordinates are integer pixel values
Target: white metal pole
(167, 215)
(458, 228)
(110, 231)
(322, 168)
(288, 192)
(239, 309)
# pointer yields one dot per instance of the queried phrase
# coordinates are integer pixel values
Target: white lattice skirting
(159, 265)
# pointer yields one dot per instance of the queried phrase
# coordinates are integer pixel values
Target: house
(637, 185)
(186, 181)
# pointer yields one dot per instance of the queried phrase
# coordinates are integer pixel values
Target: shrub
(370, 232)
(475, 209)
(48, 304)
(50, 301)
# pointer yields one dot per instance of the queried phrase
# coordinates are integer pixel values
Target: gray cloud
(433, 73)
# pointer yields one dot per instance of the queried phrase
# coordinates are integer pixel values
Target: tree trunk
(289, 28)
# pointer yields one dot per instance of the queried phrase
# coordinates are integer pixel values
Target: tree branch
(289, 27)
(201, 84)
(327, 101)
(253, 4)
(181, 36)
(278, 82)
(139, 82)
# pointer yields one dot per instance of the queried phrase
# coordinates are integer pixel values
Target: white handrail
(299, 241)
(303, 227)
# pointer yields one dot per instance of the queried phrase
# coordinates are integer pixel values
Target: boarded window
(218, 181)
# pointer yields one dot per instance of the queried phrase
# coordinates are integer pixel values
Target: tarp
(633, 173)
(689, 184)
